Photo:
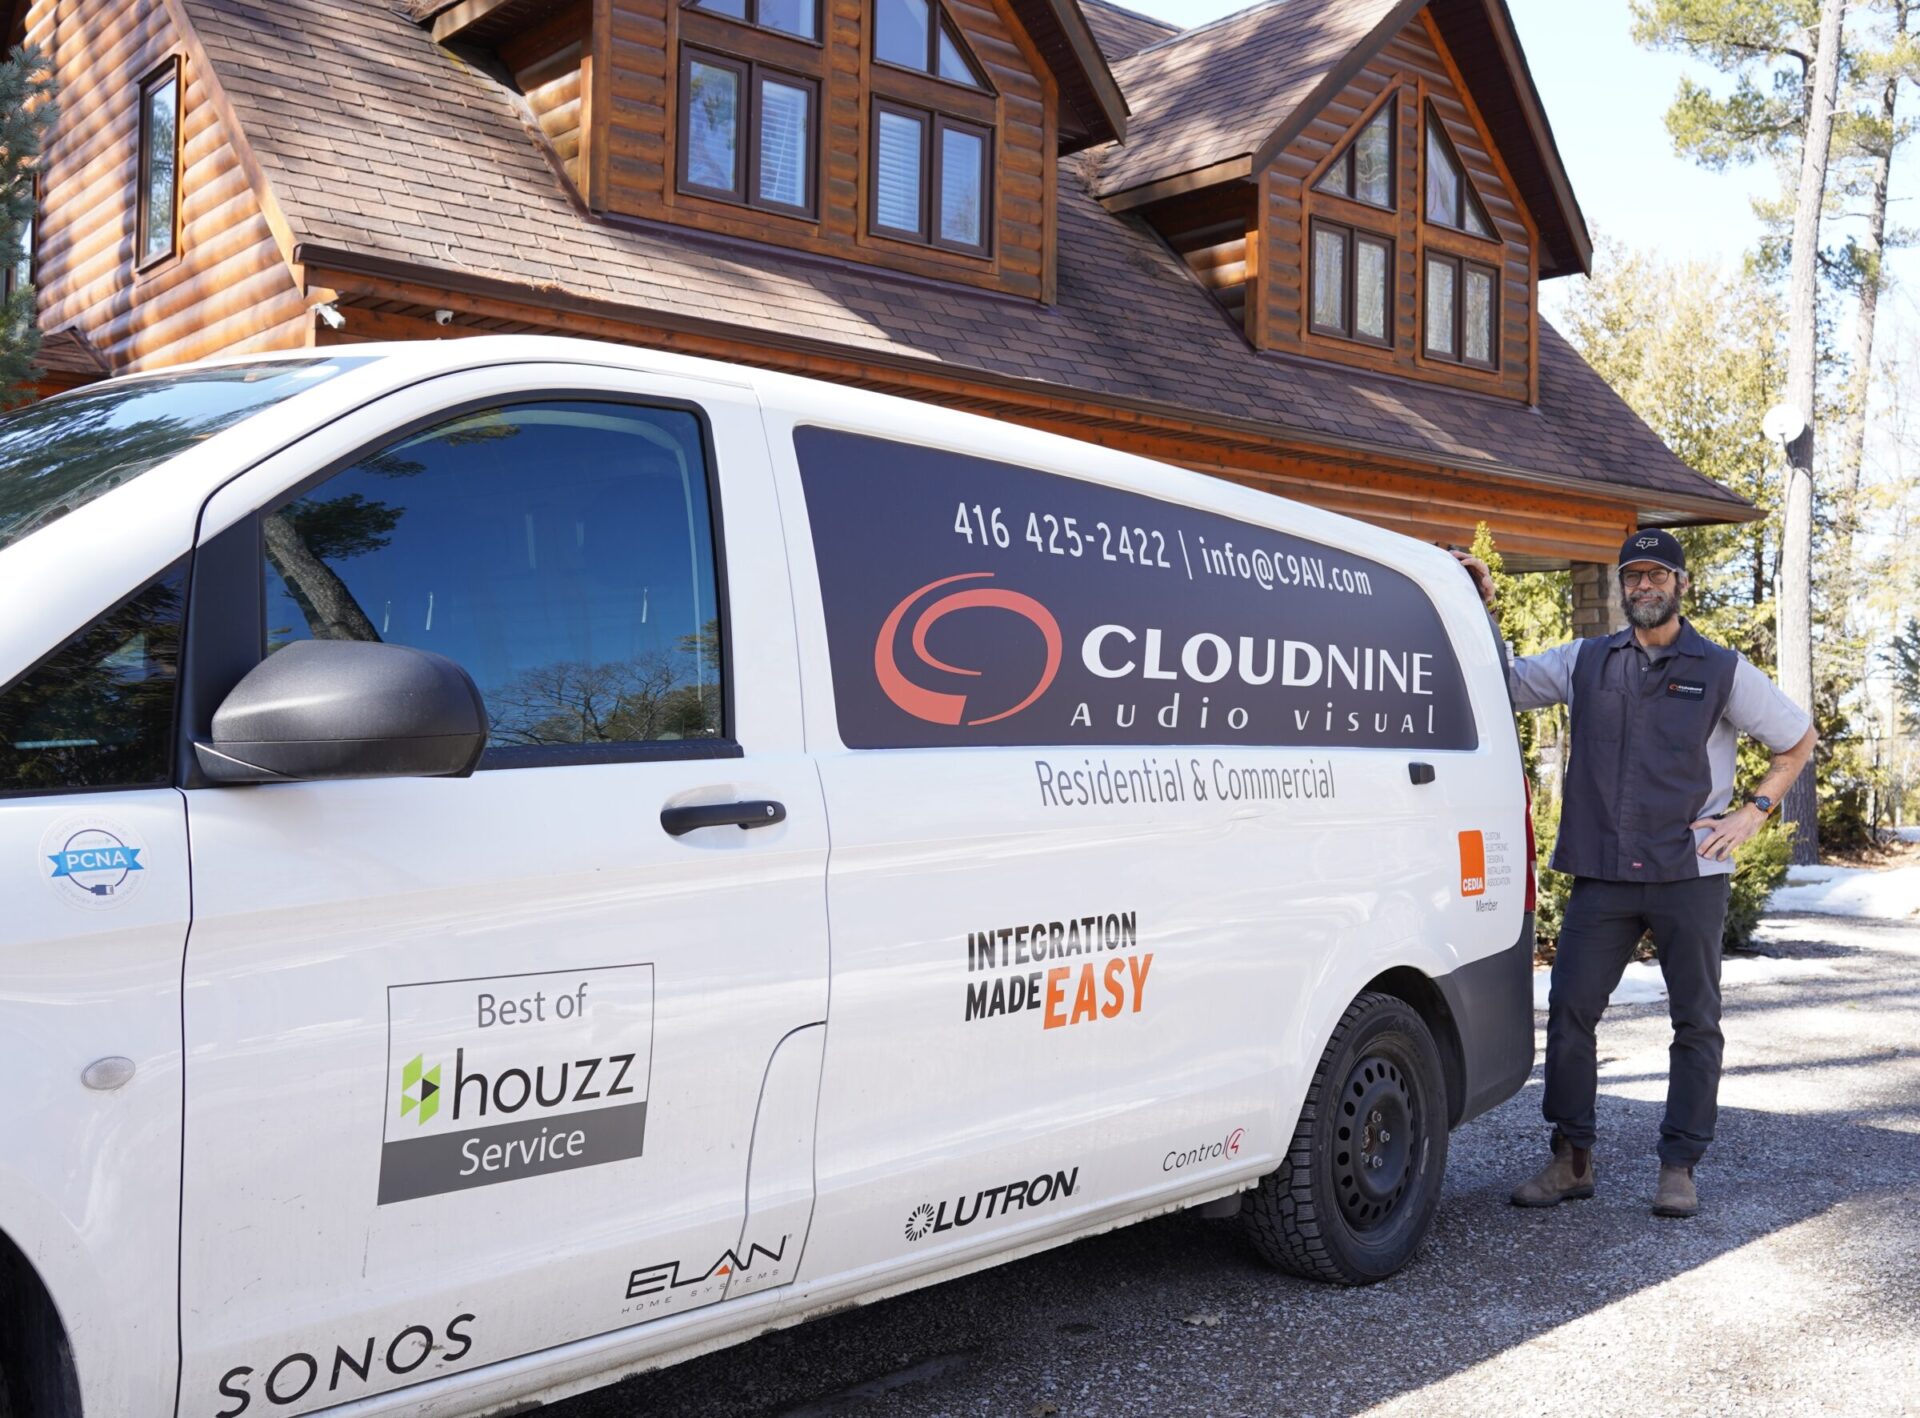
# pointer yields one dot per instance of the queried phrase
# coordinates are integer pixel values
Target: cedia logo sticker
(1473, 864)
(93, 863)
(935, 706)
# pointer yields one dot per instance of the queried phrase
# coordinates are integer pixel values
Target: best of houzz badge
(492, 1080)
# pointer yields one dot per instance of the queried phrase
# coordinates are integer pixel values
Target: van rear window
(60, 454)
(972, 602)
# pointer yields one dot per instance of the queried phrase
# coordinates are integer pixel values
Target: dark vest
(1637, 773)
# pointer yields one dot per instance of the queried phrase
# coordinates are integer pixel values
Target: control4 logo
(946, 708)
(419, 1090)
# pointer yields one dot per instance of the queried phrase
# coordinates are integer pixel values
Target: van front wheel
(1357, 1191)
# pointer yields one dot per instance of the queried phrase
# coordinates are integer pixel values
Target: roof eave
(1652, 506)
(1059, 30)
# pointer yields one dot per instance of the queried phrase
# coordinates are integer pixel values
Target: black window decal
(970, 602)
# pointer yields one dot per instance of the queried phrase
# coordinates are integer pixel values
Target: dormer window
(748, 133)
(916, 34)
(1451, 200)
(800, 18)
(1364, 172)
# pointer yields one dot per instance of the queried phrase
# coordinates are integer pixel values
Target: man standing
(1646, 835)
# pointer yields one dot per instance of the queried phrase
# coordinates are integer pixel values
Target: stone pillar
(1596, 599)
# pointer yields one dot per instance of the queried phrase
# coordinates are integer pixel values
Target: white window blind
(897, 181)
(783, 143)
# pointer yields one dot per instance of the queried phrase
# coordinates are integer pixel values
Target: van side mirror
(322, 709)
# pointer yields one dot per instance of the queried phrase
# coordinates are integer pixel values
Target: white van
(525, 860)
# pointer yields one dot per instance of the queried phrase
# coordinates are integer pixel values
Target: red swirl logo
(932, 705)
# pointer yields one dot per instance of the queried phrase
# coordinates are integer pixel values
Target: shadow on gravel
(1175, 1316)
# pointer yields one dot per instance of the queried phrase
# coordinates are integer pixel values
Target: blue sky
(1606, 98)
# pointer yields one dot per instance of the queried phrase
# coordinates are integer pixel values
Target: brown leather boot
(1675, 1195)
(1568, 1177)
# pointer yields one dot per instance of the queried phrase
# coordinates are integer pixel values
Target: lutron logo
(919, 1221)
(937, 707)
(990, 1202)
(419, 1090)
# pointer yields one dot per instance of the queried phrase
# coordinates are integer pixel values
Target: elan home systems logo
(516, 1076)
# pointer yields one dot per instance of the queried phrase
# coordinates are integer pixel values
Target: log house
(1299, 247)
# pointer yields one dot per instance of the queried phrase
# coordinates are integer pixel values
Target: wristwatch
(1764, 803)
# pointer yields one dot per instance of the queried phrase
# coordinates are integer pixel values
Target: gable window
(931, 178)
(1462, 311)
(1451, 200)
(1364, 172)
(158, 198)
(800, 18)
(916, 34)
(1352, 273)
(747, 133)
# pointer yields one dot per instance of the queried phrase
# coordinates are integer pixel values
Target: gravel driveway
(1797, 1290)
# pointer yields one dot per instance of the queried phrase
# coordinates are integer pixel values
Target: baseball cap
(1654, 545)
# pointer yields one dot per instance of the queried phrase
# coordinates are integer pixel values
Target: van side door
(477, 1067)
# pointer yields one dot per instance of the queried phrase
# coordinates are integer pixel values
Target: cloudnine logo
(945, 708)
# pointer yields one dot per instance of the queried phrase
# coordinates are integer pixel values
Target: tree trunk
(1796, 541)
(1853, 441)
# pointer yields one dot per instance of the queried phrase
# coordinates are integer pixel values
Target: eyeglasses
(1659, 576)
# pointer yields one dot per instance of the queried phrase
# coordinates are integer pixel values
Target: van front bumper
(1491, 1000)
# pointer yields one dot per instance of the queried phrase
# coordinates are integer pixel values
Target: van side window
(562, 552)
(98, 712)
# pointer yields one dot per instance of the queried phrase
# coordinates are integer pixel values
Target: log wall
(228, 289)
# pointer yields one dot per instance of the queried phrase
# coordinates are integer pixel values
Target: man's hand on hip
(1729, 831)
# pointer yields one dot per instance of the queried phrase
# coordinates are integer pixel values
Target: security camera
(335, 320)
(443, 317)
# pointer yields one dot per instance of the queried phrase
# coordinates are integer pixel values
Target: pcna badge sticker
(93, 863)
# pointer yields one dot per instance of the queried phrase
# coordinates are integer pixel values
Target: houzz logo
(550, 1072)
(1002, 1200)
(419, 1090)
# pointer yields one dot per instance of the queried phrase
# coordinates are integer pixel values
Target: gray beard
(1651, 614)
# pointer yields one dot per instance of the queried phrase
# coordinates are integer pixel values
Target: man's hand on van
(1476, 568)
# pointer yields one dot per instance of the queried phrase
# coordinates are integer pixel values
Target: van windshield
(62, 453)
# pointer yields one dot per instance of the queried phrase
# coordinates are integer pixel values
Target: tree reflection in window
(98, 712)
(561, 552)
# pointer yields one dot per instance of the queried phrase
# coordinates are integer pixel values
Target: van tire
(1324, 1213)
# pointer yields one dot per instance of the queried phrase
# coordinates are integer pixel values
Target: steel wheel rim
(1373, 1142)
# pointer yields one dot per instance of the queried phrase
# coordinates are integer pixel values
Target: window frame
(1469, 194)
(1460, 265)
(1352, 237)
(225, 634)
(752, 75)
(16, 279)
(169, 70)
(753, 22)
(932, 122)
(941, 23)
(1345, 161)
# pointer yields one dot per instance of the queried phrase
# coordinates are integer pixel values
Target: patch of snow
(1907, 834)
(1892, 895)
(1642, 983)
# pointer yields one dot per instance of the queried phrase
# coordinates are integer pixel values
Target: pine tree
(27, 111)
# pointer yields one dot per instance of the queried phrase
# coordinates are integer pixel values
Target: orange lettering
(1116, 990)
(1049, 1017)
(1138, 965)
(1083, 1004)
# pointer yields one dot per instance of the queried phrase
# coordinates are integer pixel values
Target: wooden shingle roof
(384, 153)
(1123, 32)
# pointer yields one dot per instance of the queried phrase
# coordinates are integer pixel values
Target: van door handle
(678, 821)
(1420, 773)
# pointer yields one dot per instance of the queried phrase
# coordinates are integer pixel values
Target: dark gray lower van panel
(1491, 1001)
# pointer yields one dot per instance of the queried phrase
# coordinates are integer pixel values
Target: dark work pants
(1604, 921)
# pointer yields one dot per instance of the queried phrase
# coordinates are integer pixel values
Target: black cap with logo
(1656, 546)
